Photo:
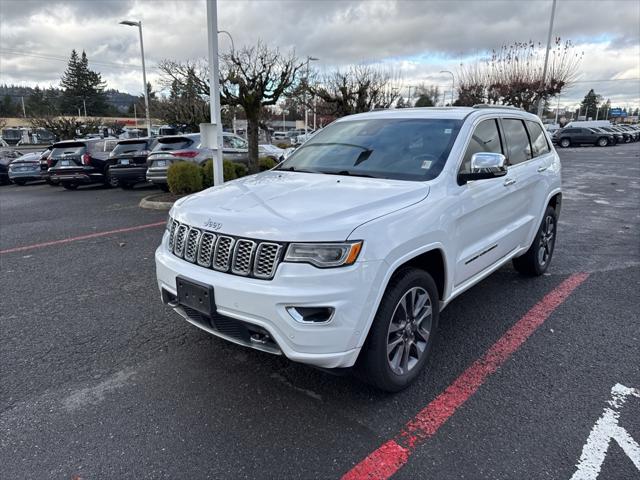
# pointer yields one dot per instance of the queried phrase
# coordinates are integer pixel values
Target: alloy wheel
(547, 234)
(409, 330)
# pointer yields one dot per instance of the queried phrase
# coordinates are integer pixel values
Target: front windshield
(402, 149)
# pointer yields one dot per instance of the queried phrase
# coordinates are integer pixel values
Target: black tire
(603, 142)
(163, 186)
(126, 186)
(535, 262)
(565, 143)
(110, 182)
(70, 185)
(627, 140)
(374, 364)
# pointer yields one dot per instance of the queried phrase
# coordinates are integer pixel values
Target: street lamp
(546, 59)
(233, 48)
(138, 24)
(306, 107)
(453, 81)
(284, 112)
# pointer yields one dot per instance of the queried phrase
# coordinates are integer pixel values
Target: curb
(148, 202)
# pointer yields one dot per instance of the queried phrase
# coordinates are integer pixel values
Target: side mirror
(484, 165)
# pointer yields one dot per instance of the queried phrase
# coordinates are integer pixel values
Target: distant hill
(11, 99)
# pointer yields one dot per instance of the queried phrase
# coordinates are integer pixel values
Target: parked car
(7, 155)
(626, 136)
(300, 139)
(630, 131)
(346, 253)
(279, 136)
(128, 161)
(574, 136)
(271, 151)
(80, 162)
(616, 137)
(188, 148)
(26, 168)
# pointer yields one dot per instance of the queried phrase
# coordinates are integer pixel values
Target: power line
(65, 60)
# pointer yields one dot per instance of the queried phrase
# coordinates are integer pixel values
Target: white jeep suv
(345, 253)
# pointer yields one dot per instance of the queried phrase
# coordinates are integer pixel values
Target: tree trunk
(253, 125)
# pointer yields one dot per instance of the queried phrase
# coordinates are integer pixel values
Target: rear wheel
(565, 142)
(110, 181)
(402, 333)
(126, 186)
(536, 260)
(603, 142)
(70, 185)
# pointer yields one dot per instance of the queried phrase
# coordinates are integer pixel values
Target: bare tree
(361, 88)
(255, 78)
(3, 123)
(65, 128)
(512, 75)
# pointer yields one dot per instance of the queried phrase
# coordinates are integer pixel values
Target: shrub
(207, 174)
(283, 145)
(266, 163)
(241, 170)
(229, 170)
(184, 178)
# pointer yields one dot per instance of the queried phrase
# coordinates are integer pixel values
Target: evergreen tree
(7, 107)
(590, 104)
(82, 86)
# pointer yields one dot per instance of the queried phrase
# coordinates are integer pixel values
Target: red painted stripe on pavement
(81, 237)
(392, 455)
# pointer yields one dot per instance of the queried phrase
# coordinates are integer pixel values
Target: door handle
(509, 181)
(543, 168)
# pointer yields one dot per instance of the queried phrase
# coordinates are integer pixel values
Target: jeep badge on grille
(212, 225)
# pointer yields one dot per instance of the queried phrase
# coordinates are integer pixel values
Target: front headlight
(169, 222)
(324, 255)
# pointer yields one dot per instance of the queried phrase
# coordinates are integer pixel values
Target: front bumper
(351, 291)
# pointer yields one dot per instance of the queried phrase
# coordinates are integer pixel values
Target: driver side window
(485, 138)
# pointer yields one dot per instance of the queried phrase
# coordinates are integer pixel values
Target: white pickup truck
(345, 254)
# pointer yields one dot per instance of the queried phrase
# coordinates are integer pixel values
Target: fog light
(311, 314)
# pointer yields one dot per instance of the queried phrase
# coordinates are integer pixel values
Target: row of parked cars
(123, 163)
(602, 136)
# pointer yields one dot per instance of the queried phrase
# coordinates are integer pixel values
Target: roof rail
(506, 107)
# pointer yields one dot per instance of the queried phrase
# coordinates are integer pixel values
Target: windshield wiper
(294, 169)
(321, 144)
(349, 173)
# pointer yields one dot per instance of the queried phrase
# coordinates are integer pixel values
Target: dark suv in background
(128, 164)
(574, 136)
(80, 162)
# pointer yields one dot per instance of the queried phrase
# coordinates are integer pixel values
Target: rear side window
(518, 145)
(96, 146)
(110, 145)
(539, 145)
(485, 138)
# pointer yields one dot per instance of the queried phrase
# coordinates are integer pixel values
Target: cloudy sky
(417, 38)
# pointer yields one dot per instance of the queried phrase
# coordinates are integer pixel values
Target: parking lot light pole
(546, 59)
(306, 107)
(453, 82)
(233, 49)
(212, 132)
(138, 24)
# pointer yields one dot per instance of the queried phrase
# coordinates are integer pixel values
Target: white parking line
(606, 429)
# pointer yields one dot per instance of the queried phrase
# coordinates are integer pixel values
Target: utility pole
(546, 59)
(84, 103)
(306, 107)
(557, 110)
(24, 111)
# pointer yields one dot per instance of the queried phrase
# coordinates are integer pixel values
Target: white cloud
(417, 38)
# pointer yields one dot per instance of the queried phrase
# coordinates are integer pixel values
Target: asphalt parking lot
(99, 380)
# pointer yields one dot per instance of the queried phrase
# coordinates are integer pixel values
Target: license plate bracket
(196, 295)
(124, 161)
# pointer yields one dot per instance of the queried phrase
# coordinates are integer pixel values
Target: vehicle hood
(295, 206)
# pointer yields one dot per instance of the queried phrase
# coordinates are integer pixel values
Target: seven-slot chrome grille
(240, 256)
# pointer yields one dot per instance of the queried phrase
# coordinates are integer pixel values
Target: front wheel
(402, 333)
(565, 142)
(536, 260)
(603, 142)
(70, 185)
(126, 186)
